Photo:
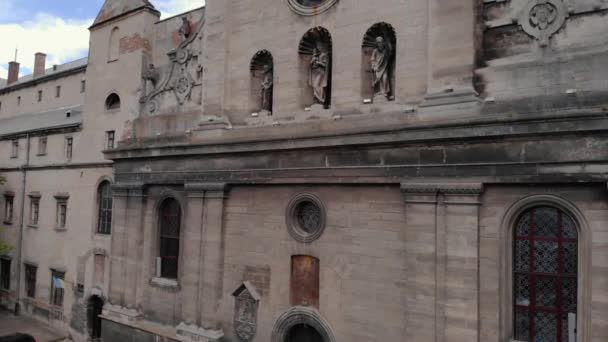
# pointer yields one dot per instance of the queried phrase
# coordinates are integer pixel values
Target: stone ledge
(121, 314)
(192, 333)
(446, 188)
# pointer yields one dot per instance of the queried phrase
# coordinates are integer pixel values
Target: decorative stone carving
(246, 300)
(183, 73)
(316, 49)
(310, 7)
(185, 30)
(379, 45)
(541, 19)
(192, 333)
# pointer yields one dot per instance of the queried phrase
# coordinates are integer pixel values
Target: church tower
(121, 43)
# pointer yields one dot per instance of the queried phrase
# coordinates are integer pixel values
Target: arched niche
(384, 62)
(315, 51)
(262, 82)
(114, 45)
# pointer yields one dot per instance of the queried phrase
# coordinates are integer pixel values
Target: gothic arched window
(104, 213)
(113, 102)
(170, 222)
(545, 270)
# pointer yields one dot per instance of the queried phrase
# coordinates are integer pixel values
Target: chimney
(13, 73)
(39, 64)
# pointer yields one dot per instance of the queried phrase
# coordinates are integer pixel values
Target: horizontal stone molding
(204, 187)
(445, 188)
(192, 333)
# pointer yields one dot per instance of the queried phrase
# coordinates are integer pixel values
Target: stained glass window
(545, 260)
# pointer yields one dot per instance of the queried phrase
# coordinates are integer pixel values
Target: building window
(57, 287)
(18, 100)
(62, 210)
(113, 102)
(42, 142)
(69, 144)
(104, 200)
(170, 220)
(34, 210)
(15, 149)
(83, 86)
(30, 280)
(0, 106)
(8, 208)
(5, 274)
(110, 139)
(58, 91)
(545, 271)
(39, 95)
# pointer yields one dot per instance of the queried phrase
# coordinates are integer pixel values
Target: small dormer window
(113, 102)
(68, 114)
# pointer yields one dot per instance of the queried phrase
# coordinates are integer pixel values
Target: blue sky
(58, 28)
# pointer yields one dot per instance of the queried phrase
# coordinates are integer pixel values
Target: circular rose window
(305, 218)
(310, 7)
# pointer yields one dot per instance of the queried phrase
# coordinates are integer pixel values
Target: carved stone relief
(541, 19)
(180, 76)
(246, 301)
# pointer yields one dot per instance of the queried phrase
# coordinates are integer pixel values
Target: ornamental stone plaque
(246, 300)
(541, 19)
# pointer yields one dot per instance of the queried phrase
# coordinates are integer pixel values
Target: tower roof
(115, 8)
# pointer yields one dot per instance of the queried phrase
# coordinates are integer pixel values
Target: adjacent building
(324, 170)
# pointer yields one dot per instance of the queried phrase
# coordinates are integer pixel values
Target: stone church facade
(333, 170)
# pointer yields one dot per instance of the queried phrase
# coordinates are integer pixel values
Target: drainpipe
(22, 223)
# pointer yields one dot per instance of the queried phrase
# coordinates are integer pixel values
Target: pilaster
(442, 239)
(210, 199)
(127, 244)
(420, 254)
(452, 51)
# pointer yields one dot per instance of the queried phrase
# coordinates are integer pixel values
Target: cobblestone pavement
(10, 324)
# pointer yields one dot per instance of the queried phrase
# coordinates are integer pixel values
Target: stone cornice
(341, 134)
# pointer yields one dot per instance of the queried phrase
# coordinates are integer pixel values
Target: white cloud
(62, 40)
(170, 8)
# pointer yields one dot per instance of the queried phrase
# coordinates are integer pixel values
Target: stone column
(192, 243)
(452, 47)
(211, 260)
(420, 254)
(458, 256)
(126, 243)
(442, 239)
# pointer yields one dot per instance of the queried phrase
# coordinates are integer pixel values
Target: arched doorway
(303, 333)
(94, 309)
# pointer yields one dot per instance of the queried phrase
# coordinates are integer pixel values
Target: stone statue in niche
(266, 88)
(381, 68)
(185, 30)
(318, 80)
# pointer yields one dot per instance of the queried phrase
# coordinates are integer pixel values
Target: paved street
(10, 324)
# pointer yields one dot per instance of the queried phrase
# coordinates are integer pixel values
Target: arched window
(545, 270)
(113, 45)
(170, 221)
(113, 102)
(104, 213)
